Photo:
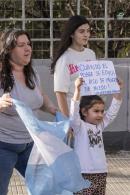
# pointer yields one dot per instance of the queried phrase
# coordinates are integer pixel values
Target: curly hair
(9, 42)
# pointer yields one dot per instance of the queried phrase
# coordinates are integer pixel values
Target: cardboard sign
(99, 76)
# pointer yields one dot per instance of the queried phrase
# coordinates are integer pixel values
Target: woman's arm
(62, 102)
(48, 106)
(62, 84)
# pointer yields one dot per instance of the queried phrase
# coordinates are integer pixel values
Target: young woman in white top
(72, 50)
(88, 120)
(18, 80)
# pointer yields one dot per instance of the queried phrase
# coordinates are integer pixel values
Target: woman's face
(81, 35)
(21, 54)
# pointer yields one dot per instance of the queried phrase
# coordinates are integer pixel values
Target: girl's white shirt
(89, 140)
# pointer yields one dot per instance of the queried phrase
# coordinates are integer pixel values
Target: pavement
(118, 181)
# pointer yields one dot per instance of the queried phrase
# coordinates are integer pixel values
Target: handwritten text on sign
(99, 77)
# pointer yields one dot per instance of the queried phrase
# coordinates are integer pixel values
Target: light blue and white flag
(53, 167)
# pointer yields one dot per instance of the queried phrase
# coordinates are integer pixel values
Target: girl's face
(94, 115)
(80, 36)
(21, 54)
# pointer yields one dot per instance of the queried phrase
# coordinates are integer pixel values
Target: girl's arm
(78, 83)
(113, 110)
(118, 96)
(75, 120)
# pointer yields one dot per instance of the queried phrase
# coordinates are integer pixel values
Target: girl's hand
(118, 96)
(78, 82)
(120, 83)
(5, 101)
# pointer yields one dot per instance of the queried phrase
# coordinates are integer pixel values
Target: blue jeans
(12, 156)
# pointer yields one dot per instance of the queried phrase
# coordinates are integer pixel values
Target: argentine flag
(53, 167)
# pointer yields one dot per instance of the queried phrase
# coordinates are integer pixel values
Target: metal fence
(44, 20)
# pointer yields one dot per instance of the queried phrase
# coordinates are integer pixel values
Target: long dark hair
(73, 23)
(88, 102)
(8, 42)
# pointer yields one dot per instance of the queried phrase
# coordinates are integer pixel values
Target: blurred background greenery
(44, 20)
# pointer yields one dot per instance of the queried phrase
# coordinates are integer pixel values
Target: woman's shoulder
(63, 58)
(89, 50)
(90, 53)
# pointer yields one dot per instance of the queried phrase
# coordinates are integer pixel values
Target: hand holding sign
(99, 76)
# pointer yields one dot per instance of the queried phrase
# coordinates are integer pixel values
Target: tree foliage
(94, 10)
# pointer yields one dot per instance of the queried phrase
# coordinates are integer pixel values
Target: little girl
(88, 120)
